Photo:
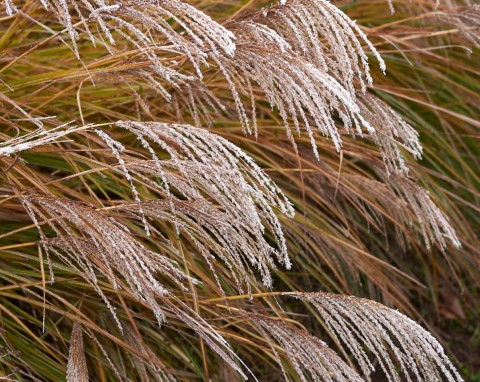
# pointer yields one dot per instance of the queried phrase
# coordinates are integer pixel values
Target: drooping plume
(326, 37)
(92, 241)
(391, 133)
(229, 199)
(36, 138)
(310, 357)
(199, 38)
(301, 91)
(394, 339)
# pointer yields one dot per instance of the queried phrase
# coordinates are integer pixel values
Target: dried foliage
(168, 169)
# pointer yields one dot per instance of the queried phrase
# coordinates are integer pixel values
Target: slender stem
(247, 296)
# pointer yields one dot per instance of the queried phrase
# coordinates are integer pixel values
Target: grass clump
(209, 190)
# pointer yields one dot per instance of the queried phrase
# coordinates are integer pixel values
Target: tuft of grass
(197, 190)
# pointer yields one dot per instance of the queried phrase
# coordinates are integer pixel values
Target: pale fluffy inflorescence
(77, 370)
(407, 203)
(433, 223)
(392, 133)
(215, 235)
(309, 62)
(465, 19)
(325, 36)
(36, 138)
(199, 39)
(308, 58)
(298, 89)
(230, 202)
(91, 241)
(311, 358)
(394, 339)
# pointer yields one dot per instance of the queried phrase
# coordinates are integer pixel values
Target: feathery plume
(92, 241)
(199, 39)
(409, 204)
(77, 370)
(393, 338)
(392, 133)
(311, 62)
(308, 355)
(89, 240)
(207, 169)
(321, 33)
(36, 138)
(465, 19)
(433, 223)
(298, 89)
